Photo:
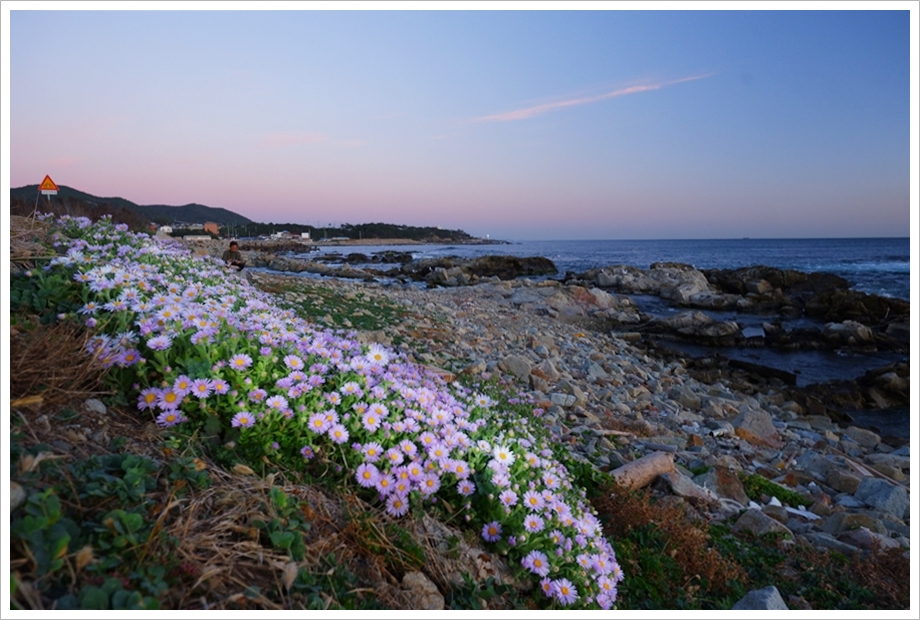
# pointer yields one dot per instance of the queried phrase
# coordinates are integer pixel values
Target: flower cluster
(198, 343)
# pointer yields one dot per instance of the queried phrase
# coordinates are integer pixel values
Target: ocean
(871, 265)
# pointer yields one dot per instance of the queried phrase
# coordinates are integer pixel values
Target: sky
(518, 124)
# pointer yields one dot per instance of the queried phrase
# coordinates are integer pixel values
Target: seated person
(233, 257)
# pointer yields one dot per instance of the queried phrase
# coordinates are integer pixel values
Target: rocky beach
(696, 428)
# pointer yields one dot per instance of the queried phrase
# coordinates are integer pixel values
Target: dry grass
(51, 364)
(687, 539)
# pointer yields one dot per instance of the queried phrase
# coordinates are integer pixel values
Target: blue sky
(515, 124)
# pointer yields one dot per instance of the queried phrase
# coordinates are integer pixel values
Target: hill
(161, 214)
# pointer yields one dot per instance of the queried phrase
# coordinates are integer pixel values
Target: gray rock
(884, 496)
(17, 495)
(826, 541)
(95, 405)
(562, 400)
(865, 438)
(866, 540)
(891, 460)
(682, 486)
(756, 427)
(767, 598)
(724, 483)
(843, 481)
(422, 592)
(842, 522)
(517, 365)
(758, 524)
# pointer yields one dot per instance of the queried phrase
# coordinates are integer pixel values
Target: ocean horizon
(875, 265)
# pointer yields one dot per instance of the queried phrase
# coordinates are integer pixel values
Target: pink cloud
(291, 138)
(523, 113)
(64, 162)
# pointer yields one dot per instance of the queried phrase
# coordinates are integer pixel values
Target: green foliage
(756, 485)
(332, 586)
(45, 294)
(287, 526)
(472, 594)
(127, 477)
(110, 595)
(45, 531)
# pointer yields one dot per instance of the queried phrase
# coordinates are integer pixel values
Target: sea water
(871, 265)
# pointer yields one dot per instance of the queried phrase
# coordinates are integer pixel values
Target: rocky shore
(836, 486)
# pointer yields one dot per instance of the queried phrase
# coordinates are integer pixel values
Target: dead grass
(686, 538)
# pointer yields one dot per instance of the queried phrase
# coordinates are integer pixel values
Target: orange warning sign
(48, 185)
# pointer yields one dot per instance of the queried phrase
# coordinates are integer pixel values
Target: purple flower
(508, 498)
(367, 475)
(533, 523)
(397, 505)
(466, 488)
(430, 484)
(240, 361)
(565, 592)
(147, 399)
(182, 385)
(293, 362)
(169, 399)
(170, 417)
(243, 418)
(372, 452)
(159, 343)
(371, 421)
(221, 386)
(338, 434)
(202, 388)
(277, 402)
(537, 563)
(492, 532)
(307, 452)
(257, 395)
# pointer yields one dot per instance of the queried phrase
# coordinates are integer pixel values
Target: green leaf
(92, 597)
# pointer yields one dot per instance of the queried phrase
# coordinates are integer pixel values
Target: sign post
(48, 188)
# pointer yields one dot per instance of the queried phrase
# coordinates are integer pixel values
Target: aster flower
(492, 531)
(221, 386)
(537, 563)
(202, 388)
(243, 418)
(240, 361)
(147, 399)
(170, 417)
(372, 452)
(159, 343)
(182, 385)
(338, 434)
(377, 355)
(466, 488)
(565, 592)
(257, 395)
(293, 362)
(367, 475)
(533, 523)
(307, 452)
(503, 455)
(370, 421)
(533, 500)
(169, 399)
(430, 484)
(508, 498)
(385, 484)
(397, 505)
(276, 402)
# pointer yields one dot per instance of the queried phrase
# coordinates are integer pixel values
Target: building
(213, 228)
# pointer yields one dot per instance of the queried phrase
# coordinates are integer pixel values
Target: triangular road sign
(48, 185)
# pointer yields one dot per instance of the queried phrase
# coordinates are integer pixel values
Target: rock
(724, 483)
(95, 405)
(682, 486)
(867, 540)
(841, 522)
(422, 593)
(17, 495)
(517, 365)
(884, 496)
(758, 524)
(865, 438)
(891, 460)
(843, 481)
(768, 598)
(826, 541)
(756, 427)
